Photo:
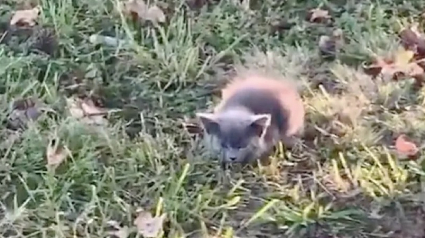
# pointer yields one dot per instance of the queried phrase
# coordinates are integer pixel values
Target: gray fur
(234, 133)
(246, 126)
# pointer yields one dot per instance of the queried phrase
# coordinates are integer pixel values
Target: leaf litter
(401, 64)
(56, 153)
(318, 15)
(119, 231)
(149, 226)
(24, 111)
(330, 45)
(413, 39)
(138, 9)
(404, 146)
(407, 61)
(87, 111)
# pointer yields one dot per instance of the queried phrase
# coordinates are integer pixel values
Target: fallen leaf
(90, 109)
(405, 147)
(401, 64)
(120, 232)
(147, 225)
(327, 46)
(330, 45)
(24, 111)
(25, 17)
(86, 111)
(135, 8)
(74, 108)
(155, 14)
(138, 9)
(56, 154)
(413, 40)
(192, 126)
(318, 15)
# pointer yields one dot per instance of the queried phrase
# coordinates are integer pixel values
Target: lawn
(105, 147)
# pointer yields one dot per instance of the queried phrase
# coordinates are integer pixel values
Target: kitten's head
(237, 133)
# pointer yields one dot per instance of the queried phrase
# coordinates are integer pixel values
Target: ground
(347, 180)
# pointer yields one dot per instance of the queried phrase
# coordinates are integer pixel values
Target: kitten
(255, 113)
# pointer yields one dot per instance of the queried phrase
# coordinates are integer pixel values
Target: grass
(347, 182)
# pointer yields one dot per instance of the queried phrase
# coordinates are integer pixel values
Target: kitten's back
(261, 94)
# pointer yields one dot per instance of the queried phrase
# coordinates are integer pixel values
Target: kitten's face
(235, 135)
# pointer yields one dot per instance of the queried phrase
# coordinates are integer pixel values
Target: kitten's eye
(238, 147)
(224, 145)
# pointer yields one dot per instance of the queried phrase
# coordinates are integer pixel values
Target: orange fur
(284, 90)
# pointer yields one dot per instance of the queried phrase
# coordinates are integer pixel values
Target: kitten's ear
(259, 123)
(209, 122)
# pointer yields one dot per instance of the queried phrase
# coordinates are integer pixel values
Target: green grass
(347, 181)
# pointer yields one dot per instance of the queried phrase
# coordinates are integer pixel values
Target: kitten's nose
(232, 158)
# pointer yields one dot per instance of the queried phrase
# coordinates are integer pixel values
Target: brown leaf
(119, 232)
(56, 154)
(25, 17)
(90, 109)
(86, 111)
(330, 45)
(24, 111)
(318, 15)
(192, 126)
(413, 39)
(401, 64)
(138, 9)
(147, 225)
(155, 14)
(327, 45)
(405, 147)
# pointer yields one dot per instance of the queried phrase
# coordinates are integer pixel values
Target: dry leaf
(25, 17)
(139, 10)
(318, 15)
(413, 40)
(56, 153)
(149, 226)
(90, 109)
(405, 147)
(120, 232)
(86, 111)
(24, 111)
(74, 108)
(401, 64)
(155, 14)
(330, 45)
(135, 8)
(326, 45)
(192, 126)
